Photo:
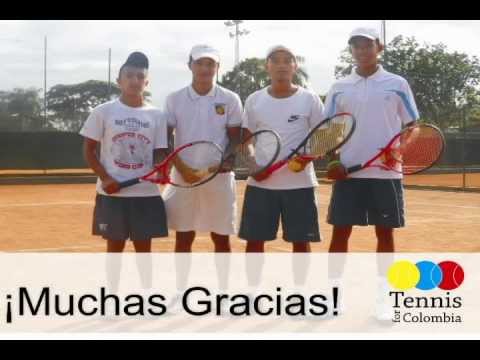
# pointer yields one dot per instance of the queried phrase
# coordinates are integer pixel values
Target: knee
(255, 246)
(221, 242)
(301, 247)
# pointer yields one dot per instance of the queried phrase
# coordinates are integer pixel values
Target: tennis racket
(257, 152)
(196, 163)
(415, 149)
(324, 139)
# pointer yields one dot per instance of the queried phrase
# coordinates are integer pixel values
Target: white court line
(98, 246)
(48, 204)
(59, 248)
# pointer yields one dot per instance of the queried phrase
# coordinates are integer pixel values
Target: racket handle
(127, 183)
(353, 169)
(276, 166)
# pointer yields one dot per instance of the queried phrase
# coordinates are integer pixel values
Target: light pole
(384, 38)
(45, 82)
(109, 79)
(236, 35)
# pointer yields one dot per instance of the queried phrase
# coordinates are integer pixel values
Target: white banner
(409, 293)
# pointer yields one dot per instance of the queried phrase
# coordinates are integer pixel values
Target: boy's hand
(336, 171)
(110, 185)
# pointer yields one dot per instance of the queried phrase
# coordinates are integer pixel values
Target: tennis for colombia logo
(436, 281)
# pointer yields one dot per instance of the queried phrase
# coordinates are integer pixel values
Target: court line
(92, 246)
(48, 204)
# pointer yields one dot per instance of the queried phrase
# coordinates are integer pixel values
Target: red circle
(452, 275)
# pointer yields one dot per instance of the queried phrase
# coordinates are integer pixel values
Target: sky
(77, 50)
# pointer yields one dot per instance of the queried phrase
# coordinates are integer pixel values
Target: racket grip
(276, 166)
(353, 169)
(127, 183)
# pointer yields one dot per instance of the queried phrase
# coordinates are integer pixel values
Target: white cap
(205, 51)
(369, 33)
(279, 48)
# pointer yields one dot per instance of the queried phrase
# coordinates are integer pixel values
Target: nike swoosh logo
(293, 119)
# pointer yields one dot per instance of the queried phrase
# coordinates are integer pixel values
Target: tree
(70, 105)
(20, 109)
(250, 75)
(443, 83)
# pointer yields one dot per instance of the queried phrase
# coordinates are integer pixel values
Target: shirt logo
(293, 118)
(220, 109)
(132, 124)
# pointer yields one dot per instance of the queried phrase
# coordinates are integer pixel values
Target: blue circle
(431, 275)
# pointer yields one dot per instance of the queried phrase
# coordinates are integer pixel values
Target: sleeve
(317, 113)
(407, 108)
(93, 128)
(168, 112)
(331, 106)
(248, 121)
(234, 112)
(161, 135)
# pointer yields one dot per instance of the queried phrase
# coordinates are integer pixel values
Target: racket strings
(323, 140)
(197, 163)
(258, 152)
(416, 150)
(423, 151)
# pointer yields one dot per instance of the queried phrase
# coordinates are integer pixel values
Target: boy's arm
(109, 184)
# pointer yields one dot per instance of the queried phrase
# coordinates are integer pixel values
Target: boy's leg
(221, 242)
(222, 259)
(259, 223)
(386, 213)
(143, 249)
(147, 218)
(184, 241)
(300, 227)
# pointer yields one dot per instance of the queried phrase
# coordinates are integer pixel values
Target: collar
(195, 96)
(377, 75)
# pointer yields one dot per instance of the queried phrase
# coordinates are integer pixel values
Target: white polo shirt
(291, 118)
(381, 103)
(128, 136)
(197, 117)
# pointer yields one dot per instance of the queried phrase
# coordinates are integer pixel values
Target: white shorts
(210, 207)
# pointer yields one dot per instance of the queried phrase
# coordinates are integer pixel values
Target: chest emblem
(220, 109)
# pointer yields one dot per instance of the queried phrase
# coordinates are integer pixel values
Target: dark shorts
(262, 209)
(134, 218)
(367, 202)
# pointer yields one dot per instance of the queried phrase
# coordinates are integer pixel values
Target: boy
(382, 103)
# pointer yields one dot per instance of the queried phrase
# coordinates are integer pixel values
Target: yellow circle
(403, 275)
(294, 166)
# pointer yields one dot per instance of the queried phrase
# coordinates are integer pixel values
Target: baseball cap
(205, 51)
(369, 33)
(276, 48)
(137, 59)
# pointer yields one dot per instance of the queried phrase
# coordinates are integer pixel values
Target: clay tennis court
(57, 218)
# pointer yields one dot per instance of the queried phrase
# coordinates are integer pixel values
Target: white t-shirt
(196, 117)
(291, 118)
(381, 104)
(128, 137)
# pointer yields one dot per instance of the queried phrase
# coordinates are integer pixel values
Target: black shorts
(134, 218)
(367, 202)
(262, 209)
